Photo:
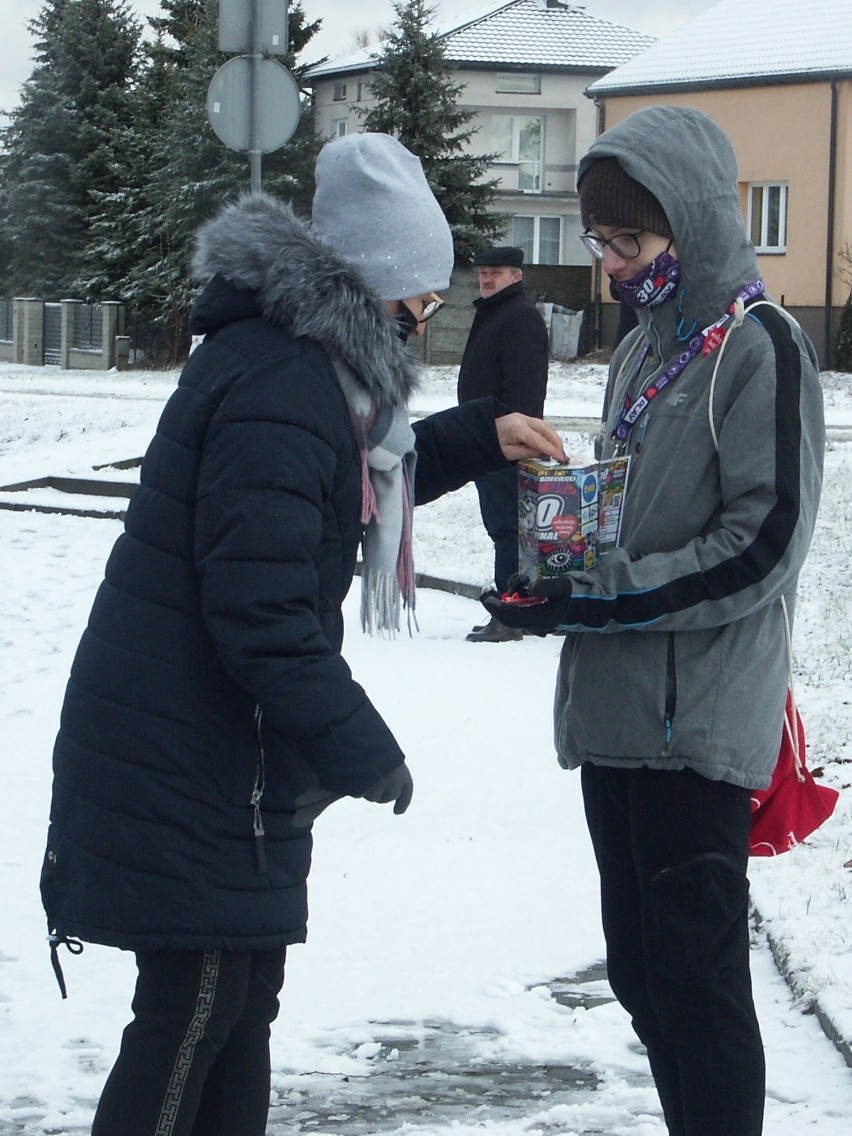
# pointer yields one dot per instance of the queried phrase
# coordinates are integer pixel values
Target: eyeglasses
(434, 304)
(625, 245)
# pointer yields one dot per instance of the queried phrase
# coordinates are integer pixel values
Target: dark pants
(498, 504)
(672, 850)
(195, 1059)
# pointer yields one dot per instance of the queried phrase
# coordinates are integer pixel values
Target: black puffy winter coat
(208, 689)
(507, 352)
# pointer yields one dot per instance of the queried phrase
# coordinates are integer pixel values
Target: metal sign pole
(254, 111)
(253, 102)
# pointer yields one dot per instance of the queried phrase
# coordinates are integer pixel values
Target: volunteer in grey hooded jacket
(673, 674)
(686, 665)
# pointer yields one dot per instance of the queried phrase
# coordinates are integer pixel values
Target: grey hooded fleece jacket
(676, 654)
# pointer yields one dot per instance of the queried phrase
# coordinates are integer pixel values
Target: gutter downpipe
(597, 273)
(831, 208)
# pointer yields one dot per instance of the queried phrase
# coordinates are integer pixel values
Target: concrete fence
(68, 334)
(72, 334)
(565, 288)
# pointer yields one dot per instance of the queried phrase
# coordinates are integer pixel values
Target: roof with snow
(520, 34)
(742, 44)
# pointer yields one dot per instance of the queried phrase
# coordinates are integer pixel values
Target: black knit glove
(538, 608)
(396, 786)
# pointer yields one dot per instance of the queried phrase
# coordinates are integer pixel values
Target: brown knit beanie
(609, 196)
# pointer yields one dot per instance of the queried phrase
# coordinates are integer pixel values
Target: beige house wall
(843, 205)
(782, 133)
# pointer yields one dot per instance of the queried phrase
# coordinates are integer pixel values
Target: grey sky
(342, 21)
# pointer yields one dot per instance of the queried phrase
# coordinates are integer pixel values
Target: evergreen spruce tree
(183, 173)
(417, 101)
(842, 360)
(177, 173)
(842, 355)
(64, 144)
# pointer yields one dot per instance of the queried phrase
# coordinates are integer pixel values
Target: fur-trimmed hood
(295, 280)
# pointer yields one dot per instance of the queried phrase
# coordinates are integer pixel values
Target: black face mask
(406, 322)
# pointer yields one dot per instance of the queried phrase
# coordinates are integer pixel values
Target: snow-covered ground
(456, 929)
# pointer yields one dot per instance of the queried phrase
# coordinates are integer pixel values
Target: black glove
(396, 786)
(538, 608)
(310, 804)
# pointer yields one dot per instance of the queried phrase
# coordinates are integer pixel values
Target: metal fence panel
(53, 334)
(87, 330)
(6, 309)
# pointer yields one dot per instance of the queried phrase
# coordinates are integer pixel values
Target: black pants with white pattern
(672, 850)
(195, 1059)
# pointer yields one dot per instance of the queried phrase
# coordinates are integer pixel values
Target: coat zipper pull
(668, 744)
(259, 834)
(643, 426)
(257, 793)
(670, 707)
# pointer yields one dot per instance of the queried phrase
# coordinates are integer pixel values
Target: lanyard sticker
(712, 340)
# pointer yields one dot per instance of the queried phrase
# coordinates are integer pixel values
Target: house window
(362, 91)
(520, 139)
(539, 237)
(339, 92)
(518, 82)
(339, 127)
(767, 216)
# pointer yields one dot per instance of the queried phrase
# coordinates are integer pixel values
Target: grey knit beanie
(374, 207)
(609, 196)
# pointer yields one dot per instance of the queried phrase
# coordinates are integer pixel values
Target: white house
(525, 65)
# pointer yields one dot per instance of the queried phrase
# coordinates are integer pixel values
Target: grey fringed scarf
(386, 445)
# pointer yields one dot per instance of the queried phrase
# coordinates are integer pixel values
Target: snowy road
(442, 985)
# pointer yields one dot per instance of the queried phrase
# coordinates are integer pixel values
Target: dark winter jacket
(677, 656)
(506, 354)
(209, 690)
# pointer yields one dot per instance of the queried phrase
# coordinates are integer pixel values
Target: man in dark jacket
(505, 358)
(210, 715)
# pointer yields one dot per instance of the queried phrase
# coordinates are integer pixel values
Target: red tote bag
(794, 805)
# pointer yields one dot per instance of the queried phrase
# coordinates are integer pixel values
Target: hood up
(259, 245)
(688, 163)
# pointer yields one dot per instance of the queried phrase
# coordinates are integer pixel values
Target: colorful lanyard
(704, 342)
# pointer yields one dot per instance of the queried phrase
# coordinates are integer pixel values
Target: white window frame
(513, 157)
(763, 191)
(339, 127)
(338, 94)
(536, 240)
(518, 83)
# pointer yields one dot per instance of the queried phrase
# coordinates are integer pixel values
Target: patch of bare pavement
(429, 1072)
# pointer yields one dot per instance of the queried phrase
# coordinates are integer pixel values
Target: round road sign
(229, 104)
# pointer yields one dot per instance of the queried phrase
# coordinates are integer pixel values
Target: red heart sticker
(564, 527)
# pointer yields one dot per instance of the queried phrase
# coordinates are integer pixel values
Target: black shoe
(495, 632)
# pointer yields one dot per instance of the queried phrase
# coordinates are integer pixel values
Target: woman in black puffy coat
(210, 715)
